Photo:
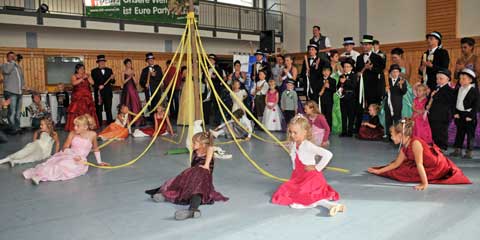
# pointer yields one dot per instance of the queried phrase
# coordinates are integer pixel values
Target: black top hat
(259, 52)
(312, 45)
(348, 41)
(212, 56)
(469, 72)
(149, 56)
(101, 58)
(290, 81)
(436, 35)
(349, 61)
(395, 67)
(445, 72)
(367, 39)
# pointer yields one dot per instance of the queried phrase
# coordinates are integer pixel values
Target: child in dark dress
(371, 130)
(194, 185)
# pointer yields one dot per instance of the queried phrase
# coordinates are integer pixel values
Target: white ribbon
(361, 96)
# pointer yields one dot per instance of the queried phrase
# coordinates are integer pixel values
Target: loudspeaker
(267, 41)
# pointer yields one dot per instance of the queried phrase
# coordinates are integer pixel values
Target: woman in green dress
(336, 72)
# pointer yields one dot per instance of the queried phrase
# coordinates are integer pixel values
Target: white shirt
(462, 93)
(241, 94)
(103, 71)
(307, 153)
(394, 81)
(353, 55)
(263, 90)
(366, 57)
(247, 124)
(432, 51)
(327, 42)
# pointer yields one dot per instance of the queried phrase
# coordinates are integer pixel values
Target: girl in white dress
(272, 116)
(39, 149)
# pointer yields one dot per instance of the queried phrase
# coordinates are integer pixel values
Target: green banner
(158, 11)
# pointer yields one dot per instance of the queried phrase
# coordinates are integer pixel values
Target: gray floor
(110, 204)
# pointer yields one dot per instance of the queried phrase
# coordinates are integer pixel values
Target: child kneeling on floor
(241, 131)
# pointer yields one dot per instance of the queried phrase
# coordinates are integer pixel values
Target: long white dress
(32, 152)
(272, 117)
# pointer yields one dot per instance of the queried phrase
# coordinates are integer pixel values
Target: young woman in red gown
(307, 187)
(82, 100)
(419, 162)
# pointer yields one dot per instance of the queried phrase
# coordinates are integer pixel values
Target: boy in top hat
(440, 106)
(103, 79)
(348, 44)
(150, 79)
(311, 73)
(468, 59)
(327, 89)
(370, 66)
(289, 101)
(323, 43)
(434, 59)
(394, 97)
(465, 112)
(348, 102)
(260, 65)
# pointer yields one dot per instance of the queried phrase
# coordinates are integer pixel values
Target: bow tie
(347, 53)
(259, 62)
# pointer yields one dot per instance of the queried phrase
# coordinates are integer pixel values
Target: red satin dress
(439, 169)
(81, 103)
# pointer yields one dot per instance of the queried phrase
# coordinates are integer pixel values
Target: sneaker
(35, 180)
(186, 214)
(336, 209)
(158, 197)
(222, 156)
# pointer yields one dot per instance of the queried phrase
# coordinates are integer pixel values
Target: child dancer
(240, 93)
(238, 130)
(39, 149)
(327, 91)
(465, 112)
(69, 163)
(418, 161)
(346, 90)
(259, 91)
(421, 128)
(397, 88)
(38, 110)
(289, 101)
(320, 127)
(372, 130)
(272, 116)
(194, 185)
(307, 187)
(158, 118)
(119, 129)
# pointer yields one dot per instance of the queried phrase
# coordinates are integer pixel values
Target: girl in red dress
(82, 100)
(372, 129)
(193, 186)
(418, 161)
(158, 117)
(307, 187)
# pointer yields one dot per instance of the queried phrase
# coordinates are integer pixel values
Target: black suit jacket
(349, 86)
(154, 81)
(373, 79)
(443, 102)
(441, 60)
(315, 77)
(100, 79)
(396, 95)
(327, 97)
(265, 66)
(469, 102)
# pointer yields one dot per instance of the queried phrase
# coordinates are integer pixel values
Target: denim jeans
(14, 109)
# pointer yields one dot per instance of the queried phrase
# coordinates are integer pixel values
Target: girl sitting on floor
(39, 149)
(419, 162)
(158, 117)
(307, 187)
(119, 129)
(194, 186)
(372, 130)
(70, 163)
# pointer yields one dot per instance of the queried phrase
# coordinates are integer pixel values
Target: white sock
(326, 204)
(5, 160)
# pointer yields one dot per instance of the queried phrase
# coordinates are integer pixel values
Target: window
(60, 69)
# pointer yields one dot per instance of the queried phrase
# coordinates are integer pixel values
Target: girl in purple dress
(130, 96)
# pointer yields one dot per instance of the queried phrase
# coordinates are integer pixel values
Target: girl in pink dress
(272, 116)
(69, 163)
(320, 127)
(307, 187)
(421, 128)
